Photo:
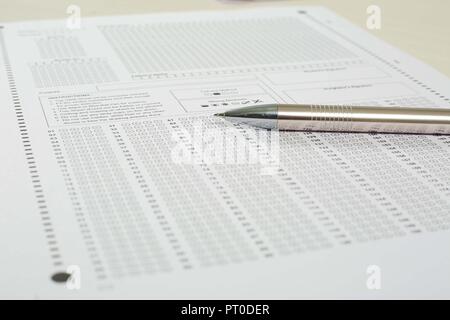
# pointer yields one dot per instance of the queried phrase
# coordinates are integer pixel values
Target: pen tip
(220, 114)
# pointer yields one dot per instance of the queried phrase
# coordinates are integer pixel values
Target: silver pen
(343, 118)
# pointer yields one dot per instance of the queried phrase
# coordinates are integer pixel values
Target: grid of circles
(126, 239)
(343, 193)
(161, 218)
(210, 232)
(416, 204)
(430, 208)
(281, 219)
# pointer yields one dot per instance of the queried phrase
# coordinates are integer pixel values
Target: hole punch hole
(60, 277)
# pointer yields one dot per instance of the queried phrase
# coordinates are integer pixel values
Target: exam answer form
(93, 122)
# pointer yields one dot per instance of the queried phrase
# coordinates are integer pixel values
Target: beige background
(419, 27)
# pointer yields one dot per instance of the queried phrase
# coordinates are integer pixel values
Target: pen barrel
(347, 118)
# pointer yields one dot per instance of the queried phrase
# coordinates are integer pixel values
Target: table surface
(419, 27)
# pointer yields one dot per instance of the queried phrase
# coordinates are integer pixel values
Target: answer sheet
(117, 181)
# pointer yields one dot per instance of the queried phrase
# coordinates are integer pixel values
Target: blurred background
(419, 27)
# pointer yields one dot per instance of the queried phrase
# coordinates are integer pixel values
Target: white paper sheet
(115, 172)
